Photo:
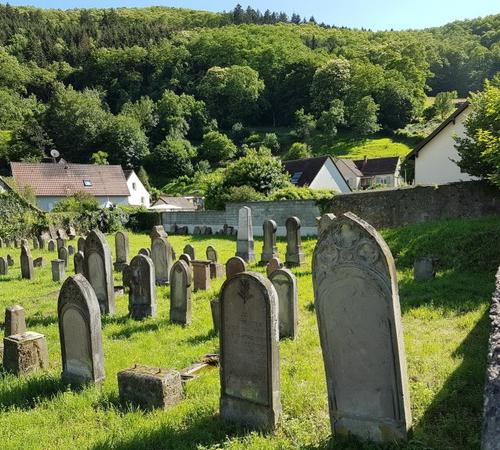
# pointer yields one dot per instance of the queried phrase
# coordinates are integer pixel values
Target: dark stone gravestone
(424, 268)
(157, 232)
(285, 283)
(161, 254)
(234, 266)
(189, 250)
(4, 266)
(10, 260)
(201, 275)
(180, 293)
(359, 320)
(215, 309)
(58, 270)
(39, 262)
(35, 243)
(145, 252)
(27, 271)
(63, 253)
(269, 249)
(60, 242)
(81, 244)
(51, 245)
(78, 260)
(294, 252)
(121, 249)
(142, 294)
(245, 243)
(211, 254)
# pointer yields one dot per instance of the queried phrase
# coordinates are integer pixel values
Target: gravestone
(186, 259)
(98, 269)
(180, 293)
(212, 254)
(10, 260)
(249, 352)
(217, 270)
(269, 249)
(51, 246)
(58, 270)
(63, 253)
(142, 294)
(60, 242)
(424, 268)
(157, 232)
(25, 353)
(215, 309)
(121, 248)
(161, 254)
(42, 242)
(234, 266)
(81, 244)
(1, 243)
(36, 244)
(15, 321)
(61, 233)
(126, 276)
(189, 250)
(25, 243)
(285, 283)
(201, 275)
(145, 252)
(27, 271)
(359, 320)
(39, 262)
(245, 244)
(79, 318)
(71, 250)
(294, 252)
(273, 265)
(4, 266)
(78, 260)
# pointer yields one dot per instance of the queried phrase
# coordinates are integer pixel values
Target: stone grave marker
(71, 250)
(201, 275)
(189, 250)
(142, 294)
(285, 283)
(4, 266)
(180, 293)
(424, 268)
(294, 251)
(42, 242)
(158, 231)
(27, 271)
(39, 262)
(234, 266)
(10, 260)
(274, 264)
(145, 252)
(35, 243)
(51, 245)
(1, 243)
(359, 320)
(245, 243)
(78, 260)
(79, 317)
(121, 249)
(60, 242)
(215, 310)
(186, 259)
(58, 270)
(63, 253)
(25, 353)
(161, 254)
(25, 243)
(211, 254)
(249, 352)
(81, 244)
(15, 321)
(98, 269)
(71, 232)
(269, 249)
(61, 233)
(127, 276)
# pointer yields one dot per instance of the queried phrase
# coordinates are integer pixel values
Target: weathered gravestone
(15, 321)
(4, 266)
(10, 261)
(78, 260)
(201, 275)
(249, 350)
(71, 250)
(58, 270)
(145, 252)
(234, 266)
(424, 268)
(273, 265)
(1, 243)
(121, 248)
(142, 294)
(216, 270)
(98, 269)
(189, 250)
(79, 319)
(294, 252)
(51, 246)
(35, 243)
(60, 242)
(42, 240)
(244, 243)
(269, 249)
(61, 233)
(80, 245)
(71, 232)
(180, 293)
(157, 232)
(285, 283)
(25, 353)
(25, 243)
(161, 254)
(186, 259)
(359, 320)
(27, 271)
(63, 253)
(211, 254)
(39, 262)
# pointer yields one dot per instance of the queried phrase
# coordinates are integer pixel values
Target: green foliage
(363, 116)
(143, 111)
(218, 195)
(330, 82)
(304, 124)
(78, 203)
(298, 150)
(144, 178)
(217, 148)
(331, 118)
(443, 104)
(100, 158)
(17, 217)
(300, 193)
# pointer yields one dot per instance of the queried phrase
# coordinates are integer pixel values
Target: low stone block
(424, 268)
(25, 353)
(58, 270)
(201, 275)
(217, 270)
(150, 387)
(39, 262)
(15, 321)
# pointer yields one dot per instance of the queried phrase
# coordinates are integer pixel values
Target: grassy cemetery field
(445, 332)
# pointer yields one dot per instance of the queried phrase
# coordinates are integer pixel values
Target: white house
(435, 157)
(139, 196)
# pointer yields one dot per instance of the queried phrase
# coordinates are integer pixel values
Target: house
(317, 173)
(188, 203)
(139, 195)
(435, 157)
(378, 172)
(53, 182)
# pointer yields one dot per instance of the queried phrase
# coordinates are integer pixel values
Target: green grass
(445, 330)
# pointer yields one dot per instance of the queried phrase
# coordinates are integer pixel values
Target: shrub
(298, 150)
(78, 203)
(217, 148)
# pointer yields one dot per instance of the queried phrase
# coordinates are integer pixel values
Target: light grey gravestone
(180, 293)
(145, 252)
(285, 283)
(201, 275)
(211, 254)
(10, 260)
(249, 350)
(58, 270)
(24, 242)
(25, 353)
(80, 244)
(424, 268)
(15, 321)
(71, 250)
(273, 265)
(61, 233)
(79, 318)
(27, 270)
(78, 260)
(244, 243)
(121, 250)
(4, 266)
(51, 245)
(189, 250)
(157, 232)
(294, 252)
(234, 266)
(60, 242)
(71, 232)
(39, 262)
(161, 254)
(359, 320)
(269, 249)
(36, 244)
(142, 294)
(98, 269)
(63, 253)
(186, 259)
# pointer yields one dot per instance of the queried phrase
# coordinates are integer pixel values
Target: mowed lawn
(445, 328)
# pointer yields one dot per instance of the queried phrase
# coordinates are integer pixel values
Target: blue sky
(375, 14)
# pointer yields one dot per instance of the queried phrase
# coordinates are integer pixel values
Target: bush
(298, 150)
(78, 203)
(217, 196)
(217, 148)
(172, 158)
(17, 217)
(300, 193)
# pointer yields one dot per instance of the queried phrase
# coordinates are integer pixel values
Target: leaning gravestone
(249, 352)
(51, 246)
(245, 244)
(10, 261)
(161, 254)
(142, 294)
(58, 270)
(234, 266)
(121, 248)
(63, 253)
(269, 249)
(98, 269)
(36, 244)
(180, 293)
(78, 260)
(189, 250)
(15, 321)
(39, 262)
(4, 266)
(294, 252)
(80, 245)
(27, 271)
(359, 320)
(285, 283)
(79, 319)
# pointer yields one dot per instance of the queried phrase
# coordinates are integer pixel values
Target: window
(134, 186)
(296, 177)
(142, 200)
(87, 183)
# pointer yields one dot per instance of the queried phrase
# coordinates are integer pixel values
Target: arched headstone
(27, 268)
(359, 320)
(121, 250)
(189, 250)
(285, 283)
(63, 253)
(180, 293)
(269, 249)
(235, 265)
(78, 260)
(294, 252)
(145, 252)
(272, 265)
(51, 246)
(161, 254)
(79, 319)
(186, 258)
(212, 254)
(142, 293)
(81, 244)
(4, 266)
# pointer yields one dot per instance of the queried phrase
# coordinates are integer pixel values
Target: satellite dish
(54, 153)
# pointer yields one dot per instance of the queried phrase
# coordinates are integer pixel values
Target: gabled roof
(304, 171)
(348, 168)
(63, 179)
(128, 173)
(377, 166)
(460, 109)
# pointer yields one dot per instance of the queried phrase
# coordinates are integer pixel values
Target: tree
(443, 103)
(171, 158)
(304, 124)
(144, 178)
(479, 150)
(143, 111)
(99, 158)
(363, 116)
(332, 118)
(298, 150)
(271, 141)
(28, 142)
(217, 148)
(330, 82)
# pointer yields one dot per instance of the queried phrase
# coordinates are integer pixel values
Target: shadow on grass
(39, 320)
(201, 338)
(136, 327)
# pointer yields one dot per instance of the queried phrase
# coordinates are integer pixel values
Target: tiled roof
(377, 166)
(304, 171)
(348, 168)
(63, 179)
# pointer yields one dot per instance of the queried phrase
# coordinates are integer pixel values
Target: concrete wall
(305, 210)
(397, 207)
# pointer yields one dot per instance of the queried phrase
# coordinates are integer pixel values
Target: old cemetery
(327, 342)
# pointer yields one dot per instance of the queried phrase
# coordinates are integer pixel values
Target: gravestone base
(25, 353)
(217, 270)
(251, 414)
(39, 262)
(370, 430)
(75, 380)
(215, 307)
(245, 250)
(295, 260)
(150, 387)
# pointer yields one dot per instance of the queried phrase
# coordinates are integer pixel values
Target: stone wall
(491, 419)
(397, 207)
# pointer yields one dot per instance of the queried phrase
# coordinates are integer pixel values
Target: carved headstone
(424, 268)
(42, 241)
(58, 270)
(79, 319)
(186, 259)
(98, 269)
(245, 243)
(142, 294)
(269, 249)
(63, 253)
(157, 232)
(285, 283)
(121, 248)
(180, 293)
(10, 261)
(274, 264)
(78, 260)
(234, 266)
(161, 254)
(15, 321)
(39, 262)
(189, 250)
(81, 244)
(359, 320)
(4, 266)
(60, 242)
(51, 246)
(145, 252)
(36, 244)
(27, 271)
(212, 254)
(249, 352)
(294, 252)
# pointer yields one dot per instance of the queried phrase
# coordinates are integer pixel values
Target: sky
(373, 14)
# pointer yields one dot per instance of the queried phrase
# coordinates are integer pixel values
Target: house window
(296, 177)
(134, 186)
(87, 183)
(142, 200)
